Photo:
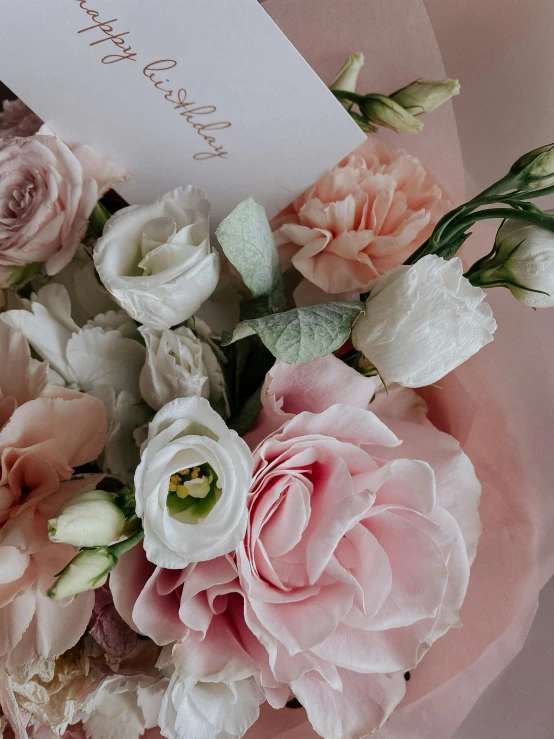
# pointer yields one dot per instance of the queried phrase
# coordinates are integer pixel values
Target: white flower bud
(88, 570)
(525, 259)
(536, 168)
(422, 321)
(425, 96)
(347, 78)
(89, 520)
(383, 111)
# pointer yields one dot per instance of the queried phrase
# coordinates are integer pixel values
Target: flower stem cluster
(398, 111)
(530, 177)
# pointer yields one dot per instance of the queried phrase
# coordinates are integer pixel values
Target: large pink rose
(362, 218)
(45, 432)
(363, 525)
(47, 193)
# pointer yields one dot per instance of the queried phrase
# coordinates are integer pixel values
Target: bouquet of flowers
(220, 486)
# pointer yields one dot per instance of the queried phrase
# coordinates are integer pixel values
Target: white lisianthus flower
(92, 519)
(181, 364)
(525, 259)
(191, 485)
(156, 260)
(422, 321)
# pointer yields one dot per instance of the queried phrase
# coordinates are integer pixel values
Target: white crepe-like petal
(422, 321)
(156, 260)
(98, 357)
(104, 353)
(187, 432)
(193, 709)
(48, 326)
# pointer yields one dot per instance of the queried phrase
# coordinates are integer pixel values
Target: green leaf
(302, 334)
(245, 237)
(97, 220)
(244, 419)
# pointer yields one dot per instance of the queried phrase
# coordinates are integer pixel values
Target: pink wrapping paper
(500, 404)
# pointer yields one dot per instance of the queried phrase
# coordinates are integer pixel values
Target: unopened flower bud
(88, 570)
(425, 96)
(524, 263)
(89, 520)
(383, 111)
(347, 78)
(536, 168)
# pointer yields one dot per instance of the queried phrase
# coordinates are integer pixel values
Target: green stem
(125, 546)
(542, 220)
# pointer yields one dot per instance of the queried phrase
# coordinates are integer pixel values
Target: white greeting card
(204, 92)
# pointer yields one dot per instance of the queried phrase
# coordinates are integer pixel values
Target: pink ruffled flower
(16, 119)
(363, 526)
(45, 432)
(362, 218)
(47, 193)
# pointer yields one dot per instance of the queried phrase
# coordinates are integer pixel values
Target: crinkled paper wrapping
(499, 405)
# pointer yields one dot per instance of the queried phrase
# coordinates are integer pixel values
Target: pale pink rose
(362, 529)
(47, 193)
(362, 218)
(363, 526)
(45, 432)
(16, 119)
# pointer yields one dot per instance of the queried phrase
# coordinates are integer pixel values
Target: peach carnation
(362, 218)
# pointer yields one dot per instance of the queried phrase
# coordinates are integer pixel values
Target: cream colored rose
(181, 364)
(156, 260)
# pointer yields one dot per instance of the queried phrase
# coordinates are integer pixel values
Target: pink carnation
(47, 193)
(45, 432)
(362, 218)
(363, 525)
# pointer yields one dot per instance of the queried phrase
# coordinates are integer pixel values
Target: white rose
(422, 321)
(525, 259)
(156, 260)
(191, 485)
(180, 364)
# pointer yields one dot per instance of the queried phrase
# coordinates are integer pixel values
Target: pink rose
(362, 218)
(47, 193)
(45, 432)
(363, 525)
(16, 119)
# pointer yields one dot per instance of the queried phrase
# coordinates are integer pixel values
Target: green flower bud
(88, 570)
(347, 78)
(536, 168)
(382, 111)
(425, 96)
(89, 520)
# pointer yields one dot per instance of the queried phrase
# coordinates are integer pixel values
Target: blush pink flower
(45, 432)
(47, 193)
(363, 525)
(362, 218)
